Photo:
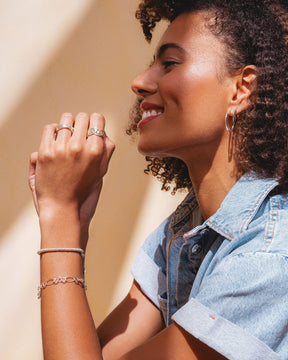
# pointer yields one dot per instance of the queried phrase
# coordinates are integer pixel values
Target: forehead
(191, 32)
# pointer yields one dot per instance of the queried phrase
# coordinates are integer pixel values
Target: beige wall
(56, 56)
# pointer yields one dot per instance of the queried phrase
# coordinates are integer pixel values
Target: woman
(213, 110)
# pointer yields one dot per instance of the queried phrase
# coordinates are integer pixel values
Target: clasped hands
(69, 166)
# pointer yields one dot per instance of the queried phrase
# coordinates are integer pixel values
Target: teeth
(148, 113)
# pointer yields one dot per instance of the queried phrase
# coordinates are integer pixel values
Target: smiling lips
(150, 112)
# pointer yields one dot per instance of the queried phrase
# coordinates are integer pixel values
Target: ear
(244, 83)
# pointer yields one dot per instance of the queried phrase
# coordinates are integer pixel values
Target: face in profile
(185, 92)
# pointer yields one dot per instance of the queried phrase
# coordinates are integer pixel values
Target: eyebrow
(166, 46)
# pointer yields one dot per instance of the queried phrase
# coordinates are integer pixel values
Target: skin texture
(194, 92)
(192, 87)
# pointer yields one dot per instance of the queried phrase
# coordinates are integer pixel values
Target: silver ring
(63, 126)
(97, 132)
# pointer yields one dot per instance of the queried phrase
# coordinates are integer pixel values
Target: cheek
(195, 93)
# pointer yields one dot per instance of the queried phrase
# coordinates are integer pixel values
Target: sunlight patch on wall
(38, 28)
(20, 308)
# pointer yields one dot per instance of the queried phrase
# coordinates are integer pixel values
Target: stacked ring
(97, 132)
(63, 126)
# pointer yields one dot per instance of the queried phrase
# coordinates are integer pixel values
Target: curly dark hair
(255, 32)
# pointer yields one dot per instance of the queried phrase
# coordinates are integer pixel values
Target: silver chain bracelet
(61, 280)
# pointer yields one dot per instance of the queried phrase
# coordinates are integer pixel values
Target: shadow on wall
(91, 72)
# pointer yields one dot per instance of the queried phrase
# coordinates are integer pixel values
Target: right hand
(68, 170)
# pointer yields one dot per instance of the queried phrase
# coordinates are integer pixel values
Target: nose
(145, 83)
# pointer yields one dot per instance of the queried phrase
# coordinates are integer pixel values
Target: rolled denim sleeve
(241, 309)
(149, 266)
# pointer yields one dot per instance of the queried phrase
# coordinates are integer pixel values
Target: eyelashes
(168, 64)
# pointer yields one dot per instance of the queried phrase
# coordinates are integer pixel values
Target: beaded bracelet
(61, 280)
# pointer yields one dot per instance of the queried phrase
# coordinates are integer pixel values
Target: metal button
(196, 249)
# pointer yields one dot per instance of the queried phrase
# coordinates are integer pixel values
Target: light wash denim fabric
(224, 281)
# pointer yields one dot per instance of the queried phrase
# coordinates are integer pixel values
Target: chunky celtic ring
(97, 132)
(63, 126)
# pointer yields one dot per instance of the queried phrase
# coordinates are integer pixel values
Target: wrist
(49, 208)
(59, 226)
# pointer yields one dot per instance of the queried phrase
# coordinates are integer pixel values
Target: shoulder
(267, 232)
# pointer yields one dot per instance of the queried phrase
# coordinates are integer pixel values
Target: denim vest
(224, 280)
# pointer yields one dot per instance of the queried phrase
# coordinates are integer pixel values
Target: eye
(167, 65)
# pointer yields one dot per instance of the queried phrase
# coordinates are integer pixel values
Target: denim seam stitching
(270, 229)
(168, 279)
(183, 212)
(252, 211)
(220, 230)
(178, 266)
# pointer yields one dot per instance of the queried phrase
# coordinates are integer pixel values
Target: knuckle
(111, 146)
(60, 151)
(104, 170)
(95, 153)
(76, 149)
(45, 156)
(33, 156)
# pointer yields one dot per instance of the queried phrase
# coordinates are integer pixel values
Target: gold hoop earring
(234, 120)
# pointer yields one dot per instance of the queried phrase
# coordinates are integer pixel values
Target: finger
(47, 140)
(81, 127)
(110, 147)
(97, 121)
(33, 159)
(63, 135)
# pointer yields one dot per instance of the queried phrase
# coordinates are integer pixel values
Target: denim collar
(241, 205)
(184, 210)
(236, 211)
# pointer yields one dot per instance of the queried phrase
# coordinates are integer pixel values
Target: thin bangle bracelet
(78, 250)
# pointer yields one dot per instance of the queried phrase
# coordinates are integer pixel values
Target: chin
(156, 148)
(147, 150)
(153, 152)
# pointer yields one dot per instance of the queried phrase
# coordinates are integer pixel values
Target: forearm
(68, 329)
(65, 177)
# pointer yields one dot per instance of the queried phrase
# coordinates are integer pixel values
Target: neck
(212, 178)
